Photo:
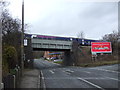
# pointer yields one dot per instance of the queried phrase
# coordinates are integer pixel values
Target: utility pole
(0, 51)
(22, 39)
(1, 10)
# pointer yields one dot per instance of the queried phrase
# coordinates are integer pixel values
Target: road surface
(57, 76)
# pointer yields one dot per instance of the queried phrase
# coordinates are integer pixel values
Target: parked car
(53, 58)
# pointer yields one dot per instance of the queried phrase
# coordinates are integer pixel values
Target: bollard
(16, 77)
(14, 81)
(2, 86)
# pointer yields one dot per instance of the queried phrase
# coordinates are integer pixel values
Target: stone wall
(78, 55)
(81, 54)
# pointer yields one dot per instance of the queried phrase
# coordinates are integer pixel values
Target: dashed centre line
(86, 72)
(69, 71)
(113, 78)
(51, 71)
(66, 72)
(105, 70)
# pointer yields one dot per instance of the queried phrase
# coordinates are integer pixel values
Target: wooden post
(1, 84)
(22, 40)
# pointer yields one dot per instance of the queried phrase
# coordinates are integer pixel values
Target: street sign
(25, 42)
(101, 47)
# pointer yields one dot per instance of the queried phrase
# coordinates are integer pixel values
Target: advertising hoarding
(101, 47)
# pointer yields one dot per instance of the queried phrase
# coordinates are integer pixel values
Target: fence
(12, 80)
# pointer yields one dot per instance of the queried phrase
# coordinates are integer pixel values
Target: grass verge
(99, 63)
(58, 62)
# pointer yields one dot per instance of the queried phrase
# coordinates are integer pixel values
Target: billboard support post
(100, 47)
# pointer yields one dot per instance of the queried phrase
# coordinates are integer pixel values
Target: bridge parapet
(51, 44)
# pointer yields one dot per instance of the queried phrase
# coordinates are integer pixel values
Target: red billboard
(101, 47)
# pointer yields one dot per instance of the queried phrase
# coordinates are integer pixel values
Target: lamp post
(22, 39)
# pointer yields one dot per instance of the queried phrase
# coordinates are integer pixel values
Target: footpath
(30, 79)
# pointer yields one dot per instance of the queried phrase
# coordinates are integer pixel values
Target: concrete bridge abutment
(68, 60)
(71, 56)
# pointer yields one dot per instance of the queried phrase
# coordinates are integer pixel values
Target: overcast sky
(67, 17)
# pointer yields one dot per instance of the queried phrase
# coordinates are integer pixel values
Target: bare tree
(113, 38)
(11, 34)
(81, 34)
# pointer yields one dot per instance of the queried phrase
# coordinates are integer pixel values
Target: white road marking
(109, 66)
(39, 76)
(69, 71)
(95, 78)
(44, 86)
(113, 78)
(51, 71)
(106, 70)
(91, 83)
(66, 72)
(39, 81)
(86, 72)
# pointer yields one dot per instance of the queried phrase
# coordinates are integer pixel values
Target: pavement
(30, 79)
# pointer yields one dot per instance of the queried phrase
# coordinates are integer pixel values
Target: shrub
(10, 57)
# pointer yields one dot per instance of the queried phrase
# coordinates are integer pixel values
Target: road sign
(101, 47)
(25, 42)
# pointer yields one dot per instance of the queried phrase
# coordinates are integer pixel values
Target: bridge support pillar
(67, 58)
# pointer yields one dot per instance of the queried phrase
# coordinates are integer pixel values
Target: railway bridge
(45, 44)
(33, 43)
(50, 43)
